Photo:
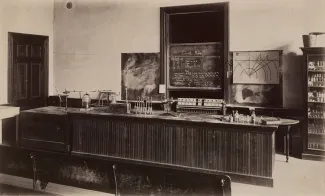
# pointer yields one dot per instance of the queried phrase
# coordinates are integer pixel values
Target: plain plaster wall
(90, 37)
(24, 16)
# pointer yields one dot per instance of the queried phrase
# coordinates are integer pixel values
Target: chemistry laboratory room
(162, 97)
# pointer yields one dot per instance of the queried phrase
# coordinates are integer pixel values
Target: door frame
(11, 77)
(165, 12)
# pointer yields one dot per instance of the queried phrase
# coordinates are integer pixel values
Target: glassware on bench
(86, 99)
(167, 106)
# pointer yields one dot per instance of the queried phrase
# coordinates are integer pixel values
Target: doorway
(27, 70)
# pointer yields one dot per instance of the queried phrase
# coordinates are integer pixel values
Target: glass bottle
(253, 117)
(86, 99)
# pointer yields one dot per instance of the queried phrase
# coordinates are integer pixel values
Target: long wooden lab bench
(201, 143)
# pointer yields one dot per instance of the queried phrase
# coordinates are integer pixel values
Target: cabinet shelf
(316, 102)
(316, 133)
(319, 135)
(317, 71)
(316, 86)
(317, 149)
(314, 118)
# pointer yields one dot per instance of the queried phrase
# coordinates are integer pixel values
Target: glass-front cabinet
(314, 133)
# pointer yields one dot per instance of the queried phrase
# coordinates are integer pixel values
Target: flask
(86, 99)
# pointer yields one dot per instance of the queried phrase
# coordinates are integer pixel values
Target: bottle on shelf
(318, 146)
(315, 126)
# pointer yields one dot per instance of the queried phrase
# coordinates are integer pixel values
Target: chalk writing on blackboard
(201, 49)
(195, 66)
(194, 72)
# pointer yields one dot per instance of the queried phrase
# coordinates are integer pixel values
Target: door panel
(22, 50)
(27, 70)
(36, 51)
(21, 91)
(35, 80)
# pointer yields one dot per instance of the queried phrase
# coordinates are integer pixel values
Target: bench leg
(287, 143)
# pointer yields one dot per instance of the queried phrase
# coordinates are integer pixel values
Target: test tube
(143, 109)
(146, 105)
(141, 105)
(137, 106)
(150, 105)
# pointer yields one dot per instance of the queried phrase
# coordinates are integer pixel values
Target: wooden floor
(296, 178)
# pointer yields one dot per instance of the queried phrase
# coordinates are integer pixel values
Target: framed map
(256, 67)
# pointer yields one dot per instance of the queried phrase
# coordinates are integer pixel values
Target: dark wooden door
(28, 70)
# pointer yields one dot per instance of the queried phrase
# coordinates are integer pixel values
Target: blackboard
(195, 66)
(200, 49)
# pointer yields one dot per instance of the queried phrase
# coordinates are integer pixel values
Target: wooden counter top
(157, 115)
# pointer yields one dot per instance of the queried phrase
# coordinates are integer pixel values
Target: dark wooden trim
(46, 67)
(163, 46)
(11, 66)
(313, 50)
(17, 131)
(164, 39)
(208, 7)
(36, 144)
(11, 87)
(226, 85)
(165, 12)
(32, 124)
(281, 77)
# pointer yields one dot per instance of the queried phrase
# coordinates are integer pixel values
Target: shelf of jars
(315, 127)
(316, 115)
(316, 111)
(316, 79)
(315, 136)
(316, 96)
(316, 66)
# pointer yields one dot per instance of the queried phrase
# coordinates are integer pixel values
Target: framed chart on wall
(256, 67)
(256, 78)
